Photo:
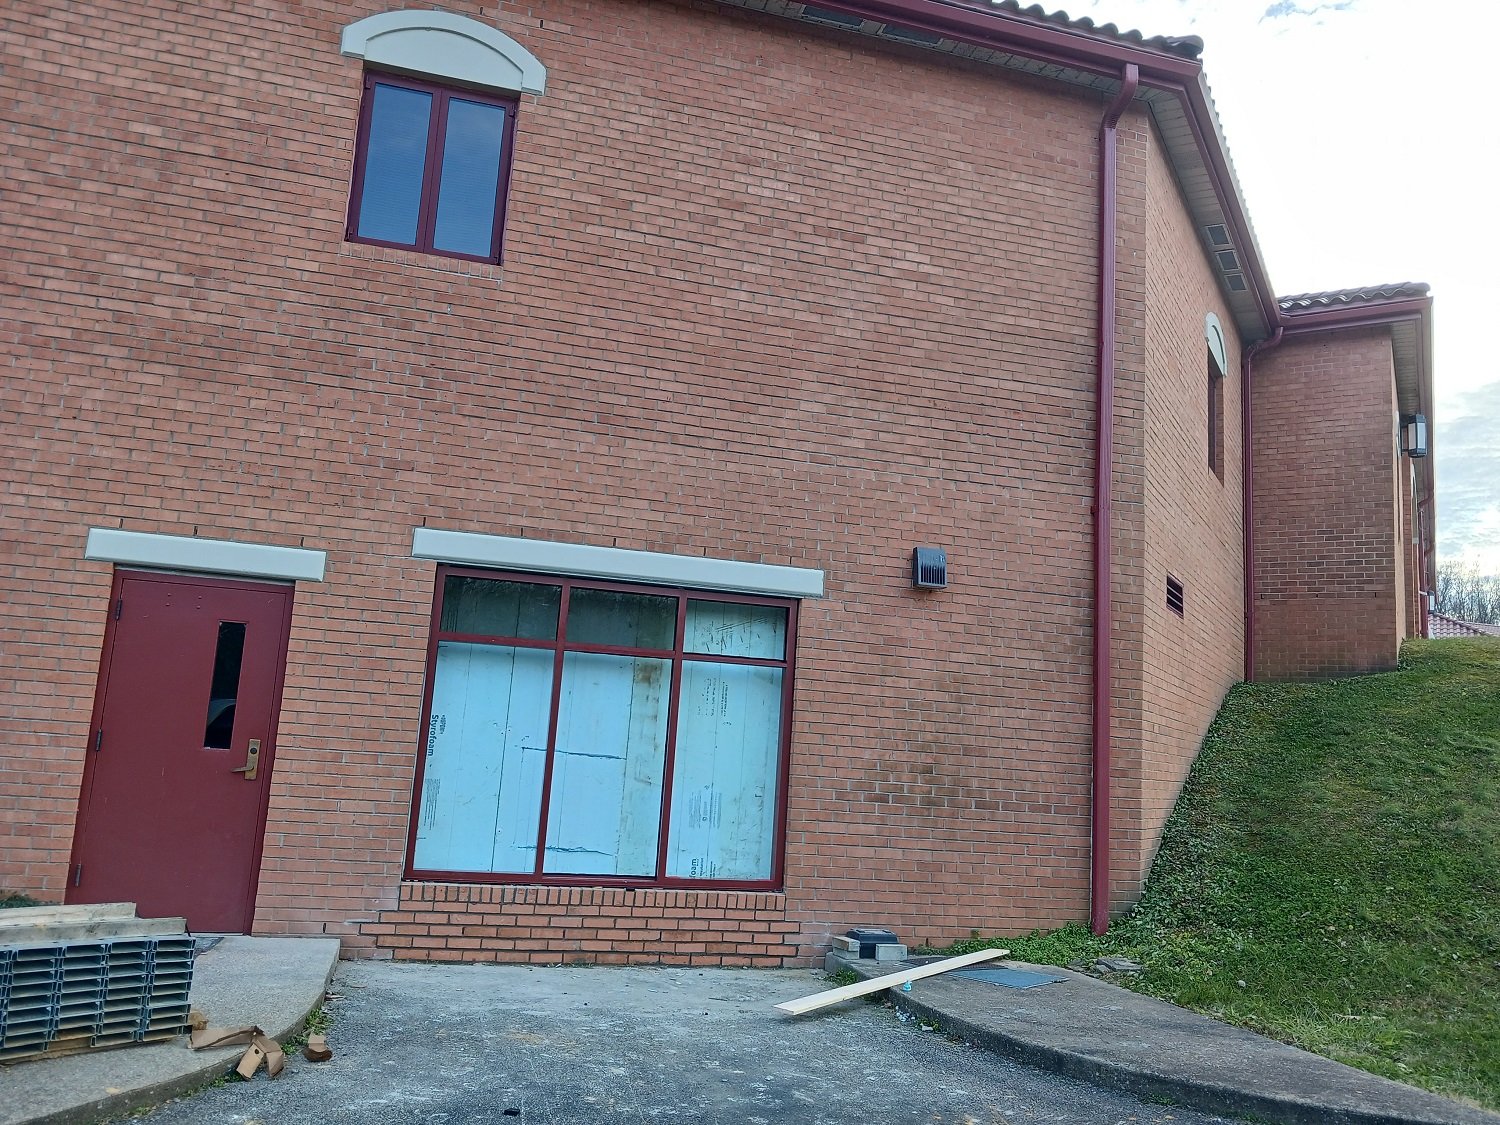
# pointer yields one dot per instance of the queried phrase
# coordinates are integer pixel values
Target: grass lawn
(1331, 873)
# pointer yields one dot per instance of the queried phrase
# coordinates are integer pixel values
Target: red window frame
(1215, 418)
(561, 646)
(437, 126)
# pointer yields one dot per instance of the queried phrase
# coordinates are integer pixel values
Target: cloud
(1467, 447)
(1284, 8)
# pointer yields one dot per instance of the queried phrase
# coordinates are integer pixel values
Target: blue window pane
(395, 158)
(471, 178)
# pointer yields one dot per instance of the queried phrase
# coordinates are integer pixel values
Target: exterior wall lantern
(1414, 435)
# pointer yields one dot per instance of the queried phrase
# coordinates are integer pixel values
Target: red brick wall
(1327, 596)
(1190, 523)
(769, 294)
(607, 926)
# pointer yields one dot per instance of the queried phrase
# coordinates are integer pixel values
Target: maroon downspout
(1247, 504)
(1425, 590)
(1103, 470)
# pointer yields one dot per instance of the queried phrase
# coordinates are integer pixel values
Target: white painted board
(889, 980)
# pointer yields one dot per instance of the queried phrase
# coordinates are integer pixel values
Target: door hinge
(119, 607)
(98, 739)
(78, 874)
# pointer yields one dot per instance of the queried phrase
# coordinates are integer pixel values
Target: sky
(1366, 142)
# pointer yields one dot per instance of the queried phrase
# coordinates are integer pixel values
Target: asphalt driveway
(445, 1044)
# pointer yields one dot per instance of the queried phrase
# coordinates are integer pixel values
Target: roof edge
(1170, 65)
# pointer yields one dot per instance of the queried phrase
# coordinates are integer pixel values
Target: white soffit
(583, 561)
(444, 45)
(210, 556)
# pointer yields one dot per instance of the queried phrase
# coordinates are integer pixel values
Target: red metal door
(170, 818)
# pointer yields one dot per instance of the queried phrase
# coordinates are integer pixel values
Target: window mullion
(669, 761)
(437, 131)
(784, 752)
(361, 158)
(557, 678)
(502, 196)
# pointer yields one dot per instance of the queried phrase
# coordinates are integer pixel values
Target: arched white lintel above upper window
(1213, 332)
(444, 45)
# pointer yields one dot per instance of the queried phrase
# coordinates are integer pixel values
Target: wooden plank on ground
(98, 929)
(47, 915)
(889, 980)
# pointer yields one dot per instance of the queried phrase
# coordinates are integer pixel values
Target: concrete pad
(1087, 1028)
(273, 982)
(423, 1044)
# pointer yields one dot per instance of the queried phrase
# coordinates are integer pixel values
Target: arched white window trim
(1213, 332)
(442, 45)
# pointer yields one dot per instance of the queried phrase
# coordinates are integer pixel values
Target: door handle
(252, 760)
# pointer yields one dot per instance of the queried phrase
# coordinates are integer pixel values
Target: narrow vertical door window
(224, 690)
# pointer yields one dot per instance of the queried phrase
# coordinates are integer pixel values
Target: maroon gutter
(1081, 50)
(1099, 881)
(1195, 96)
(1370, 315)
(1013, 33)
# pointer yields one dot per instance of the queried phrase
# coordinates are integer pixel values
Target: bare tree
(1464, 593)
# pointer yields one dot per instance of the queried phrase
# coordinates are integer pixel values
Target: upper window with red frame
(433, 153)
(581, 731)
(430, 168)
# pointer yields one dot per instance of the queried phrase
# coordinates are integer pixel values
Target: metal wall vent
(1218, 235)
(1176, 596)
(929, 568)
(825, 15)
(1236, 282)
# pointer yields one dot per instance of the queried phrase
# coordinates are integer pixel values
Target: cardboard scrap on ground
(889, 980)
(250, 1061)
(275, 1059)
(206, 1038)
(261, 1047)
(316, 1049)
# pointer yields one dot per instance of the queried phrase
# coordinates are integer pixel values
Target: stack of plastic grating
(79, 978)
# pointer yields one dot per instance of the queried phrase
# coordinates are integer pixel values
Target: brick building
(465, 468)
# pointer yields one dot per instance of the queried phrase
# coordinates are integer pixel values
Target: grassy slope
(1331, 874)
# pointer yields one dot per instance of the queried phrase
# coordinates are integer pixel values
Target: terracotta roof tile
(1183, 46)
(1441, 625)
(1366, 295)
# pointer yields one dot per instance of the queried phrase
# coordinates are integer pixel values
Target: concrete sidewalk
(1080, 1027)
(1087, 1028)
(272, 982)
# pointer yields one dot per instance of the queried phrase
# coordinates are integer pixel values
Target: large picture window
(585, 732)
